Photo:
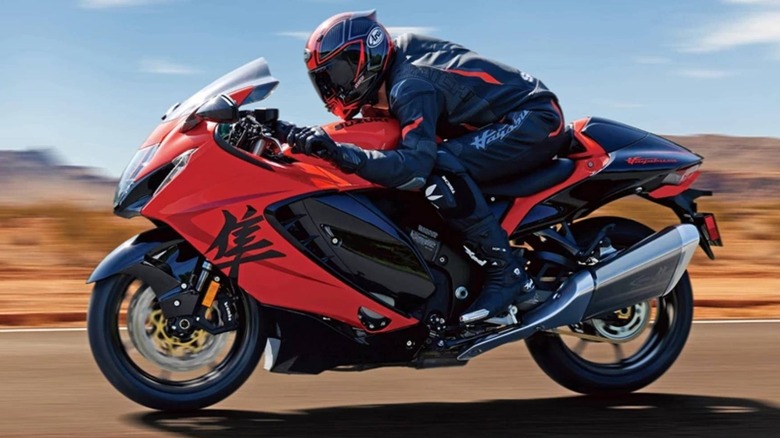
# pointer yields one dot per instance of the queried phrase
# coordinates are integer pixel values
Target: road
(726, 383)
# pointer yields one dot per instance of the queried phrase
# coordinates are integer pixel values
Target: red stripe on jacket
(411, 126)
(485, 76)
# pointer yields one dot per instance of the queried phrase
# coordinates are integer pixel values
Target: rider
(464, 118)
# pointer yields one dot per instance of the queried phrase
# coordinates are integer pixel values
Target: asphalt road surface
(726, 383)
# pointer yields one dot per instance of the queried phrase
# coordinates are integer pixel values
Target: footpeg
(509, 319)
(474, 316)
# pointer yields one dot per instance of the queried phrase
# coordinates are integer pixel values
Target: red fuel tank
(369, 133)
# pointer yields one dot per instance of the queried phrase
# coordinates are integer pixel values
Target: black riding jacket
(439, 90)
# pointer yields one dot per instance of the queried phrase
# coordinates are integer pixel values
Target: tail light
(682, 175)
(676, 182)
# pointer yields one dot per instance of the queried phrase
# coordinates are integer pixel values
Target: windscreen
(254, 74)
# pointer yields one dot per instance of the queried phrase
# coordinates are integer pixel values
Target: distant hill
(737, 167)
(38, 176)
(734, 167)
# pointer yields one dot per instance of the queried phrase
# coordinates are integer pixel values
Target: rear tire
(125, 375)
(664, 344)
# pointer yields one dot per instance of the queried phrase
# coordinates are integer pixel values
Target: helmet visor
(336, 79)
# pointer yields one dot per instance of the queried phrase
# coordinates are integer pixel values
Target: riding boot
(506, 281)
(463, 207)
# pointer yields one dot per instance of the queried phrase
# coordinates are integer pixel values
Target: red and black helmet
(347, 57)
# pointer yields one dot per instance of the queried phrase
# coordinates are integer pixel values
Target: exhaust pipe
(648, 270)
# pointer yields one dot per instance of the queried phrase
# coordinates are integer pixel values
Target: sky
(90, 78)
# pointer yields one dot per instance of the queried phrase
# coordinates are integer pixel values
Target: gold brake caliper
(624, 313)
(172, 345)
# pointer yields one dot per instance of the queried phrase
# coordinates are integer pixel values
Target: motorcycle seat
(552, 173)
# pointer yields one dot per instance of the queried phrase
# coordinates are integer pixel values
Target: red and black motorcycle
(256, 250)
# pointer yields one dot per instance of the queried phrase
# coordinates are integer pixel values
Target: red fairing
(160, 132)
(377, 133)
(178, 144)
(226, 187)
(198, 208)
(369, 133)
(587, 163)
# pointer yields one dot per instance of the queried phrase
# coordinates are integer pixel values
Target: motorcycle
(256, 250)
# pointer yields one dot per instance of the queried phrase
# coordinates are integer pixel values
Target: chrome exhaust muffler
(649, 269)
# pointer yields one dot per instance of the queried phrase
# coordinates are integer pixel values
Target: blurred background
(84, 81)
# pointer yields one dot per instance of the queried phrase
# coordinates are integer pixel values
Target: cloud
(705, 73)
(760, 26)
(297, 34)
(652, 60)
(165, 67)
(106, 4)
(394, 31)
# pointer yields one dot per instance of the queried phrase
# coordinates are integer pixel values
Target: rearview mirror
(220, 109)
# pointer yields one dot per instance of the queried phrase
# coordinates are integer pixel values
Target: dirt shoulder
(47, 252)
(48, 302)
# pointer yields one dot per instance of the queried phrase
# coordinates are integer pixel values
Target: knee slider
(450, 195)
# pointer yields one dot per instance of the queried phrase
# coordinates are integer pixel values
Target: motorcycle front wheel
(150, 365)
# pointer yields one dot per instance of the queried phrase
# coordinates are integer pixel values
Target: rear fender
(684, 206)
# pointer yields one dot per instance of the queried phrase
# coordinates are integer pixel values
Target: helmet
(347, 57)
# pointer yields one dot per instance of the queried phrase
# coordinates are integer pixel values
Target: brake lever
(278, 149)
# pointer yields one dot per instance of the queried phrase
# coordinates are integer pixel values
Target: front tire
(666, 339)
(128, 372)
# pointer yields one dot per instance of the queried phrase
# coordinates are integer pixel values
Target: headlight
(136, 165)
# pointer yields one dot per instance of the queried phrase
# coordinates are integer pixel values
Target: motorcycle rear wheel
(122, 358)
(665, 337)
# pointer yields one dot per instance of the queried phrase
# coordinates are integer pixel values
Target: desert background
(56, 225)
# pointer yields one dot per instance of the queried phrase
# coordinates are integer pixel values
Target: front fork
(187, 307)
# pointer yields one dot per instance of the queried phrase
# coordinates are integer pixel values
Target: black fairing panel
(355, 241)
(612, 135)
(134, 251)
(637, 165)
(651, 154)
(308, 344)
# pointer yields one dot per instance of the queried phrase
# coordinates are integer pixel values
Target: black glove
(281, 130)
(312, 140)
(315, 141)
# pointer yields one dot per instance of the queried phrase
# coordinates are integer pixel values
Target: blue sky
(91, 77)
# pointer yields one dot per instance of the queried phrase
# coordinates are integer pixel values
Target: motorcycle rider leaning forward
(465, 119)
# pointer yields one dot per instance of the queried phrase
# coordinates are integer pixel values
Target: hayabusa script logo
(642, 160)
(490, 135)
